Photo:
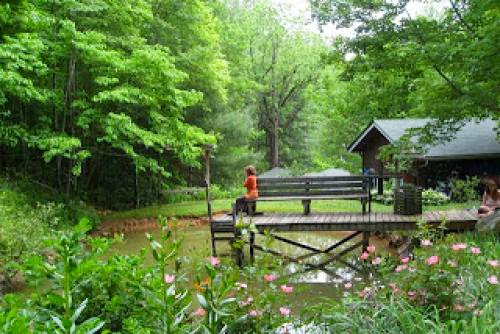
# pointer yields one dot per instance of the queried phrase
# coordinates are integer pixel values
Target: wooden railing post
(237, 242)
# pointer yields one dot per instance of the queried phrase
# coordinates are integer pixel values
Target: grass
(199, 208)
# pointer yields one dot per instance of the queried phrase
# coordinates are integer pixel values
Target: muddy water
(310, 285)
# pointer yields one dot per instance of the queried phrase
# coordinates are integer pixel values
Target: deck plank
(343, 221)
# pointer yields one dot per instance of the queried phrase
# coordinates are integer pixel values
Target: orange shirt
(251, 184)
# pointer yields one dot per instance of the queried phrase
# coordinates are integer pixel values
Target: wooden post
(307, 206)
(238, 248)
(206, 156)
(366, 241)
(252, 242)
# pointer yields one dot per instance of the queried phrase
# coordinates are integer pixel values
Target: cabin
(474, 151)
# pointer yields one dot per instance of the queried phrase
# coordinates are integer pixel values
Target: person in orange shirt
(251, 185)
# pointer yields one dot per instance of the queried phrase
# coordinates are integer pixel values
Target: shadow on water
(311, 284)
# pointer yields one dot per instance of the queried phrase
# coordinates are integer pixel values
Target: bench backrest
(313, 186)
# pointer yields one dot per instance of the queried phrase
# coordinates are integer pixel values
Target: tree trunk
(136, 188)
(70, 84)
(274, 142)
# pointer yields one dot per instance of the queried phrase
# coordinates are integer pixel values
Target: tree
(85, 83)
(276, 64)
(440, 66)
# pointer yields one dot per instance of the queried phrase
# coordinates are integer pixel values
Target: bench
(306, 189)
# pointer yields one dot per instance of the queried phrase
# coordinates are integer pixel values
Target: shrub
(433, 197)
(465, 190)
(37, 220)
(429, 197)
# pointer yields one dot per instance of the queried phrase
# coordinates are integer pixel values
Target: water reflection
(196, 246)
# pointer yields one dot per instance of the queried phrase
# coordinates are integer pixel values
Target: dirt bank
(110, 227)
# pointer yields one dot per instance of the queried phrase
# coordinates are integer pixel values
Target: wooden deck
(359, 224)
(455, 220)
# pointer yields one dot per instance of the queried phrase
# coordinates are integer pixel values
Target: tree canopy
(112, 100)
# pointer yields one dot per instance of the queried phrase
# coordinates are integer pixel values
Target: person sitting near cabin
(491, 199)
(252, 192)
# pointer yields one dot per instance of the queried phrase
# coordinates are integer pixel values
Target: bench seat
(311, 197)
(307, 189)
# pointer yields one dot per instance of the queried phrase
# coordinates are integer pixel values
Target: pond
(310, 285)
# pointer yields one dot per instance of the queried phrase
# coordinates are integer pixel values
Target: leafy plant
(465, 190)
(433, 197)
(60, 310)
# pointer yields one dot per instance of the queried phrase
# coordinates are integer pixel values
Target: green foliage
(106, 84)
(433, 197)
(452, 295)
(335, 123)
(60, 312)
(83, 289)
(402, 64)
(430, 197)
(25, 207)
(272, 66)
(465, 190)
(400, 156)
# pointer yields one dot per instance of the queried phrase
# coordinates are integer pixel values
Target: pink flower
(394, 287)
(401, 268)
(200, 312)
(286, 289)
(493, 280)
(169, 279)
(493, 263)
(405, 260)
(364, 256)
(412, 294)
(376, 260)
(270, 277)
(370, 249)
(452, 263)
(364, 292)
(459, 307)
(348, 285)
(426, 243)
(246, 302)
(475, 250)
(214, 261)
(254, 313)
(284, 311)
(458, 247)
(241, 285)
(432, 260)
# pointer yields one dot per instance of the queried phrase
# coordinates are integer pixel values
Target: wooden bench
(306, 189)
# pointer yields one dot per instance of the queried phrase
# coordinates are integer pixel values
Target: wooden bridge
(226, 227)
(360, 224)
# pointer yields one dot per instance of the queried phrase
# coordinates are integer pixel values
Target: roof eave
(359, 139)
(461, 157)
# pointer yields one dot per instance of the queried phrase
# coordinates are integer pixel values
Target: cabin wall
(435, 174)
(373, 143)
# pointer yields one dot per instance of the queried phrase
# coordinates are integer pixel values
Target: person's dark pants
(241, 205)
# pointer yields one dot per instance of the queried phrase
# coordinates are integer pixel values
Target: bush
(465, 190)
(433, 197)
(25, 224)
(198, 194)
(83, 289)
(429, 197)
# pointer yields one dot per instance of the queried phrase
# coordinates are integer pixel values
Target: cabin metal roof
(474, 139)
